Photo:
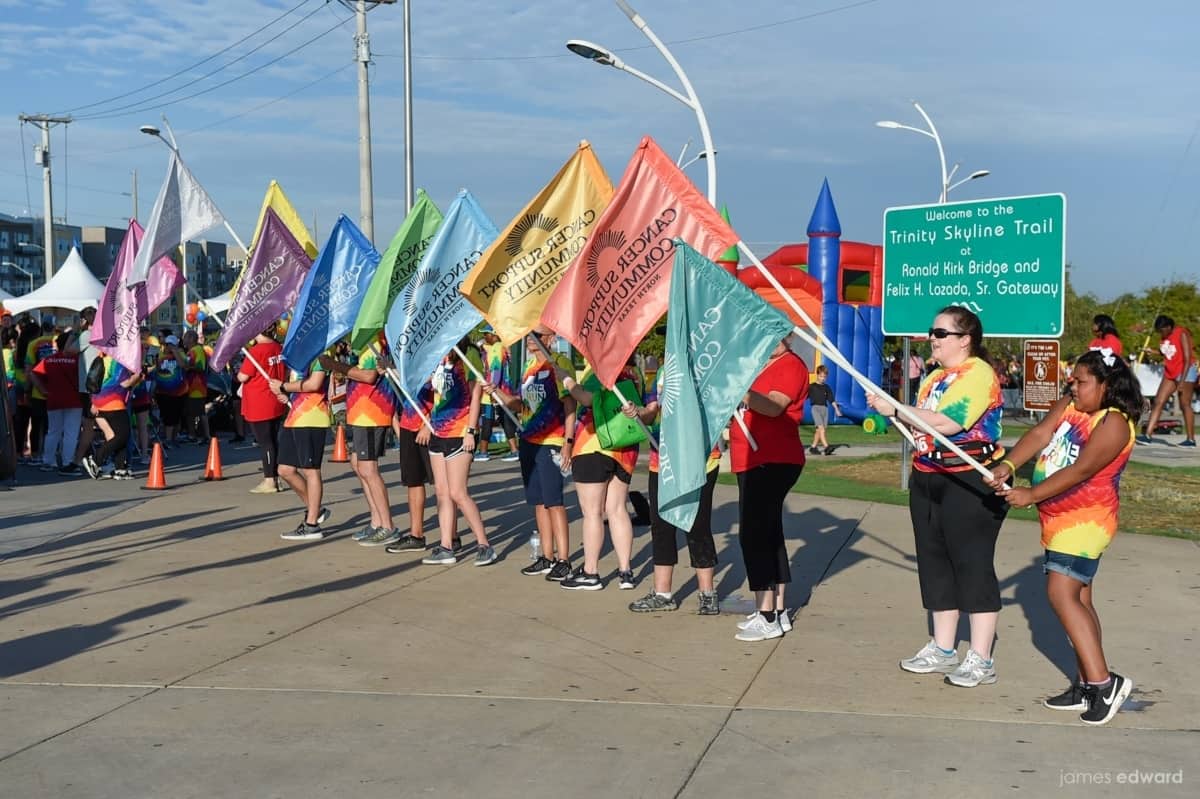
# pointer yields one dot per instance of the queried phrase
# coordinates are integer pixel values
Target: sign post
(1004, 258)
(1043, 381)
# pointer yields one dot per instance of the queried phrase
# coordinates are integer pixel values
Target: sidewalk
(171, 645)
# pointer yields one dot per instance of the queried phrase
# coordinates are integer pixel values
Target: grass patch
(1155, 500)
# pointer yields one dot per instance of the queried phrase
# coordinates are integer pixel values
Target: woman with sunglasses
(956, 518)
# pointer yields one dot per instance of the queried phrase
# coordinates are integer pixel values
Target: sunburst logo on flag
(608, 240)
(672, 383)
(419, 280)
(514, 242)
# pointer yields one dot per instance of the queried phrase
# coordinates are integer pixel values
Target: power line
(115, 113)
(102, 114)
(292, 93)
(189, 68)
(25, 165)
(704, 38)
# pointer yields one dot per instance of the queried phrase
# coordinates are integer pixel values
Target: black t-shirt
(820, 393)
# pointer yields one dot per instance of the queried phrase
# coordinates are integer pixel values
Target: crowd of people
(559, 426)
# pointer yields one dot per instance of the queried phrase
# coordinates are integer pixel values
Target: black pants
(956, 520)
(21, 419)
(117, 445)
(760, 523)
(39, 422)
(485, 425)
(701, 549)
(267, 435)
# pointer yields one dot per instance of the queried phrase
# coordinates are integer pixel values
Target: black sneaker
(456, 544)
(1070, 699)
(560, 571)
(625, 580)
(542, 565)
(304, 532)
(408, 543)
(710, 605)
(71, 469)
(1103, 703)
(579, 580)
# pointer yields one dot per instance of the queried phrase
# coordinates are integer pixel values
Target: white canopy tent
(73, 287)
(220, 303)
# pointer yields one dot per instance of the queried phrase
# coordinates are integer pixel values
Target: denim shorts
(1073, 566)
(1190, 375)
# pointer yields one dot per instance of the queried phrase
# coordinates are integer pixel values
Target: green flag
(719, 336)
(399, 262)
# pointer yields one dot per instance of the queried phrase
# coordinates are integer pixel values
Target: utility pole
(44, 123)
(408, 121)
(362, 54)
(135, 202)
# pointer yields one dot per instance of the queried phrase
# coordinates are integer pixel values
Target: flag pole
(822, 343)
(479, 376)
(213, 315)
(395, 378)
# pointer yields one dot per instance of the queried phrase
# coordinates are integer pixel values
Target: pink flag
(617, 288)
(122, 308)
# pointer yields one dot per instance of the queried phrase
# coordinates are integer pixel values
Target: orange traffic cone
(340, 454)
(212, 467)
(156, 479)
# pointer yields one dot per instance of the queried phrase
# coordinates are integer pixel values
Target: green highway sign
(1004, 258)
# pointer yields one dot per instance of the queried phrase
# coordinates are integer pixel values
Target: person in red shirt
(1179, 374)
(57, 377)
(774, 406)
(1104, 335)
(261, 408)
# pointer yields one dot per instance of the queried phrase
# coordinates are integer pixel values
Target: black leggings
(118, 444)
(760, 523)
(701, 549)
(39, 420)
(486, 423)
(21, 419)
(267, 435)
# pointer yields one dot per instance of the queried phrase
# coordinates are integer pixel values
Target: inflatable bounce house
(839, 284)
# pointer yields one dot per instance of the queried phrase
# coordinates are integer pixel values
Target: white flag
(183, 210)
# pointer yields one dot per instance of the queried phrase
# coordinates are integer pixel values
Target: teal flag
(719, 336)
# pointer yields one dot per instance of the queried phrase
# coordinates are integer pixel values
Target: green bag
(614, 429)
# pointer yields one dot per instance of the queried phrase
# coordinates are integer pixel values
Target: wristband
(1009, 464)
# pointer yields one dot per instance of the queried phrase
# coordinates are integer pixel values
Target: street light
(698, 157)
(605, 56)
(22, 270)
(932, 133)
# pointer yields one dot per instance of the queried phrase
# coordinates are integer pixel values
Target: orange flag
(617, 288)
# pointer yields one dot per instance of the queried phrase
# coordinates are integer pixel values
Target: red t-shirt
(778, 437)
(1107, 342)
(60, 372)
(1172, 350)
(258, 403)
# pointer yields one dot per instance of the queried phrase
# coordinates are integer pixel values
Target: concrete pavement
(171, 645)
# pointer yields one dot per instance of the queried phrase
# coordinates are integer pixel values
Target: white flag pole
(479, 376)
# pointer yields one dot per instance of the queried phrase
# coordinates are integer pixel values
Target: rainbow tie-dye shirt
(197, 372)
(41, 347)
(309, 408)
(370, 404)
(409, 418)
(1082, 520)
(586, 440)
(452, 385)
(543, 416)
(496, 359)
(169, 379)
(112, 396)
(970, 395)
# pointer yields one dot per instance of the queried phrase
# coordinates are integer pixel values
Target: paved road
(171, 645)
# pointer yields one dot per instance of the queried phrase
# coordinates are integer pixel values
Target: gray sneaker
(653, 602)
(485, 556)
(709, 604)
(759, 629)
(364, 533)
(973, 671)
(930, 660)
(381, 536)
(438, 556)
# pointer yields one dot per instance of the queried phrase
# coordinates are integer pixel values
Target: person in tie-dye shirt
(547, 413)
(195, 367)
(1084, 443)
(302, 445)
(370, 405)
(455, 419)
(602, 478)
(496, 359)
(170, 387)
(956, 516)
(416, 471)
(111, 406)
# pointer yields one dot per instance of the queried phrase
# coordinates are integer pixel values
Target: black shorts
(369, 443)
(595, 467)
(414, 460)
(446, 447)
(170, 408)
(302, 447)
(542, 477)
(193, 407)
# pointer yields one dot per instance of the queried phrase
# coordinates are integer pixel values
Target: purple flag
(269, 288)
(115, 330)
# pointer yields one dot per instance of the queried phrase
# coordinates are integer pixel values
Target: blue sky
(1097, 100)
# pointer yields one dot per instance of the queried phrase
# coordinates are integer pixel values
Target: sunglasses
(941, 332)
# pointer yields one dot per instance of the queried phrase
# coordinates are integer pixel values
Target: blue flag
(331, 295)
(430, 315)
(719, 336)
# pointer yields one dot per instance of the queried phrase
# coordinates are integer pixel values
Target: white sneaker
(973, 671)
(929, 659)
(785, 620)
(759, 629)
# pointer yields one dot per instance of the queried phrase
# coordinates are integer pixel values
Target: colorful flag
(332, 293)
(719, 336)
(430, 315)
(270, 286)
(122, 308)
(400, 260)
(514, 278)
(278, 202)
(182, 210)
(616, 290)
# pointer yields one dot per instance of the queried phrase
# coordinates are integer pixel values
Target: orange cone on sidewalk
(156, 479)
(340, 454)
(212, 467)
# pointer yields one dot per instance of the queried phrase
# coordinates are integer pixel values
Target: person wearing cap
(496, 369)
(170, 386)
